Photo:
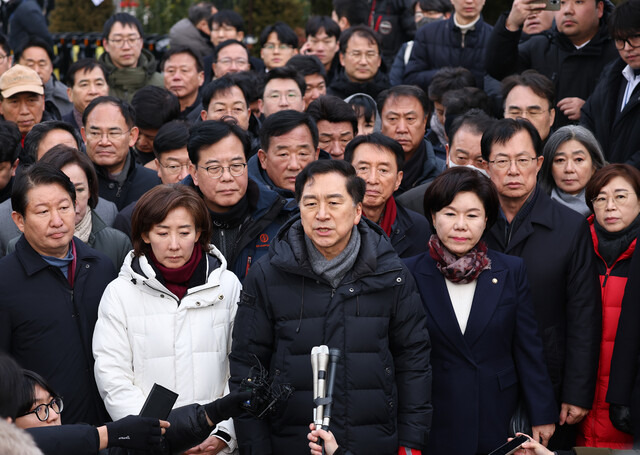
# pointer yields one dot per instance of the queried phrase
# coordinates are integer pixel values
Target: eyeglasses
(505, 163)
(3, 58)
(619, 199)
(175, 168)
(633, 41)
(237, 61)
(119, 42)
(42, 411)
(282, 47)
(530, 112)
(357, 55)
(215, 171)
(289, 95)
(96, 135)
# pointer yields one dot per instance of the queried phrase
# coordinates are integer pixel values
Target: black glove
(620, 417)
(227, 407)
(134, 432)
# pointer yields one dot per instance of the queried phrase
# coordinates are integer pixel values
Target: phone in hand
(159, 403)
(511, 446)
(551, 5)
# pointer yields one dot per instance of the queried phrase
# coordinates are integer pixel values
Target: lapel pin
(494, 281)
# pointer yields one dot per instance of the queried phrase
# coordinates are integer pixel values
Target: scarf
(83, 228)
(459, 269)
(177, 280)
(576, 203)
(389, 216)
(611, 245)
(414, 168)
(334, 270)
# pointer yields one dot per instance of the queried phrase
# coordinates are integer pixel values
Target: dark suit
(477, 375)
(557, 249)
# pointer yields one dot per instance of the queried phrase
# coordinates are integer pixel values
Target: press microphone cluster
(324, 362)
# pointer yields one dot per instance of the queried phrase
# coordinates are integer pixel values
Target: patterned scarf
(463, 269)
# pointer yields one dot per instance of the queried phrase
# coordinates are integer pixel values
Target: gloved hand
(620, 417)
(134, 432)
(227, 407)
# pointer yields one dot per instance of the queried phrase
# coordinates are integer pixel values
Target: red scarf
(177, 280)
(459, 269)
(389, 217)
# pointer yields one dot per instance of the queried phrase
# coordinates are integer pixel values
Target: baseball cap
(18, 79)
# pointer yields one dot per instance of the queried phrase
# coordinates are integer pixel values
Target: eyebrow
(216, 161)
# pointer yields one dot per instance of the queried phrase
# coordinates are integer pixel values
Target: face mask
(482, 171)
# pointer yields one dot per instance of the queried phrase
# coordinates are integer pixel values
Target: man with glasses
(130, 67)
(360, 60)
(278, 44)
(246, 215)
(229, 57)
(555, 244)
(531, 96)
(612, 112)
(284, 88)
(109, 134)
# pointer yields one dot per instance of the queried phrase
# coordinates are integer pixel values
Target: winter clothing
(479, 374)
(27, 21)
(56, 92)
(393, 20)
(342, 87)
(422, 167)
(618, 132)
(47, 325)
(410, 232)
(374, 316)
(184, 34)
(125, 82)
(145, 335)
(575, 72)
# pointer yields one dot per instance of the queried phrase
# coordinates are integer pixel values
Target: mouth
(58, 235)
(459, 239)
(323, 231)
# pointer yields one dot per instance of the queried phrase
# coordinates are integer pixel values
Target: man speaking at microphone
(332, 277)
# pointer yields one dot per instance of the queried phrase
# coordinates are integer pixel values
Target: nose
(570, 166)
(283, 101)
(322, 213)
(184, 171)
(335, 150)
(226, 175)
(402, 125)
(294, 162)
(173, 242)
(513, 168)
(56, 219)
(460, 223)
(610, 204)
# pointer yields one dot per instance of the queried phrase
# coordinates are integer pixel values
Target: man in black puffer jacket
(333, 278)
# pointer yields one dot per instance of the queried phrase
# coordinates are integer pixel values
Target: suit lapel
(488, 291)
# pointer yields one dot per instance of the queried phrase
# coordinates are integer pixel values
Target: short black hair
(501, 131)
(356, 11)
(125, 108)
(198, 12)
(380, 141)
(306, 65)
(458, 102)
(221, 85)
(224, 44)
(10, 142)
(475, 120)
(10, 386)
(441, 6)
(171, 136)
(211, 132)
(317, 23)
(282, 122)
(445, 187)
(251, 84)
(35, 175)
(539, 84)
(362, 31)
(227, 17)
(36, 41)
(624, 20)
(285, 34)
(4, 44)
(40, 130)
(154, 107)
(181, 50)
(412, 91)
(364, 106)
(286, 72)
(449, 78)
(84, 65)
(334, 110)
(124, 19)
(355, 185)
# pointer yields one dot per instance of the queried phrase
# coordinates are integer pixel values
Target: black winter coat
(410, 233)
(375, 317)
(47, 326)
(575, 72)
(441, 44)
(342, 87)
(557, 249)
(617, 132)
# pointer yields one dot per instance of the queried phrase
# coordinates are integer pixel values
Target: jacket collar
(33, 263)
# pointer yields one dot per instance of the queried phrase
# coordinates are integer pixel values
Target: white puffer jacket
(143, 336)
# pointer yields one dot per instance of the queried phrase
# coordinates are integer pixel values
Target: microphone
(323, 361)
(314, 368)
(334, 356)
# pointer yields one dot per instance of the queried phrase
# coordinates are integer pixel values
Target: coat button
(388, 371)
(391, 404)
(494, 281)
(350, 289)
(87, 266)
(221, 297)
(162, 296)
(197, 303)
(112, 185)
(276, 372)
(399, 280)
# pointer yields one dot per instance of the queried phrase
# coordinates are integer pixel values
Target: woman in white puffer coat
(168, 317)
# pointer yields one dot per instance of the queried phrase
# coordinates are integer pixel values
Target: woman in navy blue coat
(486, 351)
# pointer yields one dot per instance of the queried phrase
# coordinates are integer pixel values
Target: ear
(200, 78)
(539, 163)
(105, 44)
(552, 115)
(317, 153)
(14, 166)
(358, 217)
(83, 133)
(600, 8)
(69, 94)
(341, 59)
(343, 23)
(262, 156)
(145, 238)
(133, 138)
(203, 115)
(197, 236)
(260, 106)
(193, 173)
(240, 36)
(158, 167)
(398, 181)
(446, 154)
(18, 220)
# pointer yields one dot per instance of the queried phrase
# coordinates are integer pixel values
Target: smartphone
(159, 403)
(551, 5)
(511, 446)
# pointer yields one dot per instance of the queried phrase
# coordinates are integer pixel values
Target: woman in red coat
(613, 196)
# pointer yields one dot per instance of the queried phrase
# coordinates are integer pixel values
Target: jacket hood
(377, 126)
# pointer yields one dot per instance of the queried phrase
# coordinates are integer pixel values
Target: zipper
(144, 283)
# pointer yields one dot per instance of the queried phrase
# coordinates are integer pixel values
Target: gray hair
(565, 134)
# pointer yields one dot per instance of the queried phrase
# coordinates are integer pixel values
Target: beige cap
(20, 78)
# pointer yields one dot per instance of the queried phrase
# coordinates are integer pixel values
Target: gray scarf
(576, 202)
(334, 270)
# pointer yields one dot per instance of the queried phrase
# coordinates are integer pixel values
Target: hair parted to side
(355, 185)
(36, 175)
(604, 175)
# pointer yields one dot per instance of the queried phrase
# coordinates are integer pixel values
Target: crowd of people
(452, 205)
